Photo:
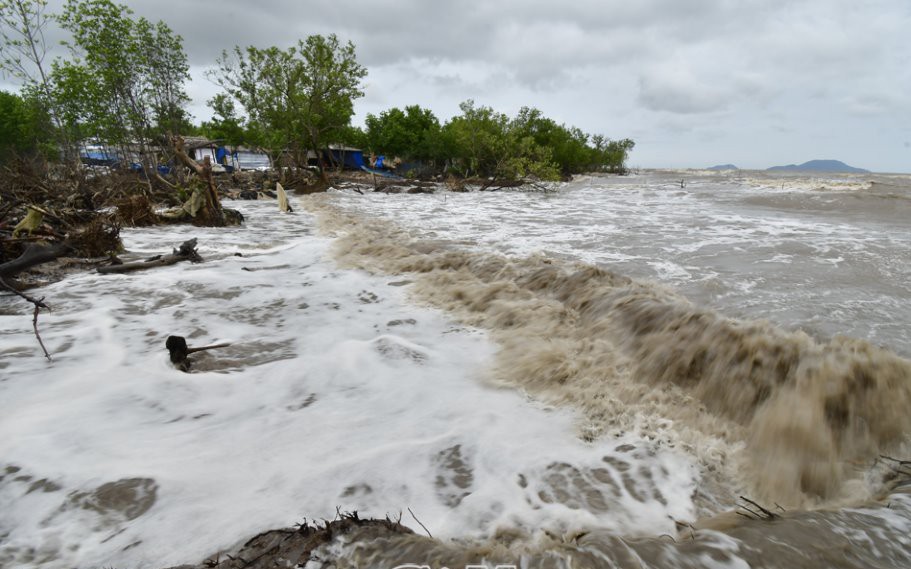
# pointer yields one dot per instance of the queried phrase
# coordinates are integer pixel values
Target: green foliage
(163, 69)
(297, 99)
(225, 125)
(125, 82)
(22, 56)
(614, 153)
(22, 24)
(14, 124)
(24, 126)
(478, 140)
(482, 142)
(352, 136)
(411, 134)
(124, 87)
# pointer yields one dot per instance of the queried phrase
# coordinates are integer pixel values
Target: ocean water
(594, 373)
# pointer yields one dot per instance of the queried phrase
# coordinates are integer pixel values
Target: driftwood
(754, 511)
(179, 351)
(497, 184)
(33, 256)
(186, 252)
(295, 547)
(39, 304)
(899, 467)
(283, 204)
(213, 214)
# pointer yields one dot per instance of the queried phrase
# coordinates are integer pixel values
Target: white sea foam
(709, 240)
(339, 392)
(336, 392)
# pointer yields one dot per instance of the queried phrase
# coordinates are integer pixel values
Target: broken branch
(762, 514)
(419, 522)
(186, 252)
(33, 256)
(179, 351)
(39, 304)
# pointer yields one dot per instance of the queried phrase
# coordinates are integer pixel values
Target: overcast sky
(694, 82)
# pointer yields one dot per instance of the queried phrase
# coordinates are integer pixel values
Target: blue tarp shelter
(350, 158)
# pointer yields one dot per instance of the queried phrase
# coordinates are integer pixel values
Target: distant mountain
(724, 167)
(819, 166)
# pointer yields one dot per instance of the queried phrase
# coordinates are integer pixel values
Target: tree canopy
(25, 128)
(226, 125)
(297, 99)
(125, 81)
(412, 133)
(123, 86)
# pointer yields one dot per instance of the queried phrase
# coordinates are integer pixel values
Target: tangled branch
(39, 304)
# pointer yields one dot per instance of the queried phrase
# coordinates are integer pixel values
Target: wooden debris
(295, 547)
(33, 256)
(283, 204)
(754, 511)
(899, 467)
(179, 351)
(186, 252)
(39, 304)
(211, 211)
(136, 211)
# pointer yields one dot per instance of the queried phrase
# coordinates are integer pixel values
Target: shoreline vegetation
(101, 139)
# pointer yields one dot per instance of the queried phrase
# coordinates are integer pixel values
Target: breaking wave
(781, 415)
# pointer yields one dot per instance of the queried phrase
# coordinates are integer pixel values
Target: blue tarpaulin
(350, 158)
(98, 158)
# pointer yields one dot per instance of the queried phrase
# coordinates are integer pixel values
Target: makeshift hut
(349, 158)
(200, 147)
(250, 159)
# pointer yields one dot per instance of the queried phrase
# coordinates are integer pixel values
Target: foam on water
(718, 240)
(564, 411)
(857, 538)
(336, 392)
(602, 342)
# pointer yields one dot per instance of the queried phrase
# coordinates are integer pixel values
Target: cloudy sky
(693, 82)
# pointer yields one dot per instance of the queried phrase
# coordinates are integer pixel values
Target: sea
(670, 369)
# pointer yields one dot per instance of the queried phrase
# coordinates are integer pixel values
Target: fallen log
(186, 252)
(33, 256)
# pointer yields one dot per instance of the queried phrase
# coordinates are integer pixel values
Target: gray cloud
(698, 81)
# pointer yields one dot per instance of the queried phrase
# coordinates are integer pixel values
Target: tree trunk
(33, 256)
(212, 212)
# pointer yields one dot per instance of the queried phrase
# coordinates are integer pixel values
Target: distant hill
(819, 166)
(724, 167)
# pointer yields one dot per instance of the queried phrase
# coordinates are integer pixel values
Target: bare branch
(39, 304)
(418, 521)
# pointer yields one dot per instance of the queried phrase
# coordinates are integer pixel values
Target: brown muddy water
(587, 377)
(755, 322)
